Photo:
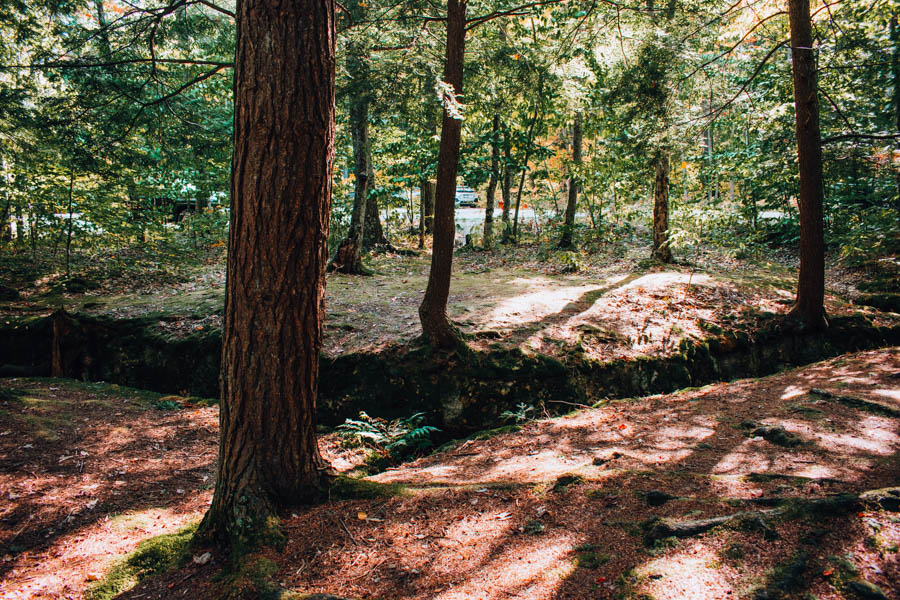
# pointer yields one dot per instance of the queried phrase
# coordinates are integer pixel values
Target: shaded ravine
(462, 391)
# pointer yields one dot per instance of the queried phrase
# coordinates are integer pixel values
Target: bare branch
(89, 65)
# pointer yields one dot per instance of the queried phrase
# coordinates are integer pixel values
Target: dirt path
(552, 511)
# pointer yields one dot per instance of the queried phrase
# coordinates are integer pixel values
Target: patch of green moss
(591, 559)
(346, 488)
(151, 557)
(251, 579)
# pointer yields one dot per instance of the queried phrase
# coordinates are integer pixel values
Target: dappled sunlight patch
(667, 279)
(693, 570)
(523, 570)
(792, 391)
(534, 305)
(747, 457)
(893, 394)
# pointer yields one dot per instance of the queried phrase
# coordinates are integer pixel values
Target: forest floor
(605, 304)
(555, 510)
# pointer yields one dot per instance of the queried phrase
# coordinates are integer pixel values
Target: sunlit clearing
(521, 570)
(694, 572)
(893, 394)
(535, 304)
(792, 391)
(661, 280)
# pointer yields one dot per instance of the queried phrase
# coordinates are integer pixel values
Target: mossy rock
(778, 436)
(865, 590)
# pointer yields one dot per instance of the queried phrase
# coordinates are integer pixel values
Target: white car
(466, 196)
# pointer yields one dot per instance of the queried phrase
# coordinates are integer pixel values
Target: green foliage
(393, 440)
(523, 413)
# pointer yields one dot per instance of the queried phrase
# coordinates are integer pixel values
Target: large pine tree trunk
(492, 184)
(436, 327)
(347, 257)
(569, 223)
(810, 306)
(661, 250)
(275, 290)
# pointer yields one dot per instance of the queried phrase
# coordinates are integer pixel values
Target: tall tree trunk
(275, 289)
(492, 184)
(810, 306)
(530, 141)
(69, 225)
(569, 223)
(347, 258)
(436, 326)
(373, 232)
(5, 229)
(20, 226)
(421, 219)
(661, 250)
(506, 186)
(895, 79)
(426, 191)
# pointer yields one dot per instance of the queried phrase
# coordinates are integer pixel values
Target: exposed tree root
(886, 498)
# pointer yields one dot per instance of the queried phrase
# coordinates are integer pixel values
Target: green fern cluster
(395, 439)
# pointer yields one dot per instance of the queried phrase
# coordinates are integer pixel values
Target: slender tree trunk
(531, 126)
(347, 257)
(492, 184)
(373, 232)
(5, 229)
(895, 78)
(436, 326)
(661, 250)
(810, 306)
(69, 225)
(20, 226)
(569, 223)
(421, 218)
(275, 289)
(506, 186)
(427, 193)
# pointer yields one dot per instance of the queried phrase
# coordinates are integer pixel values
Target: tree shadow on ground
(559, 509)
(81, 459)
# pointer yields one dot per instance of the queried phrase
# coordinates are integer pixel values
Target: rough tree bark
(348, 258)
(275, 289)
(436, 326)
(492, 184)
(565, 240)
(810, 305)
(661, 250)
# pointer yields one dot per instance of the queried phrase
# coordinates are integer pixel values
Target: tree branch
(861, 136)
